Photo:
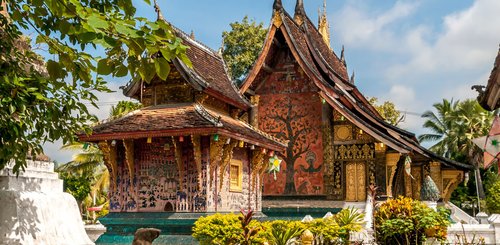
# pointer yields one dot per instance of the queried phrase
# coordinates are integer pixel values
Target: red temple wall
(290, 109)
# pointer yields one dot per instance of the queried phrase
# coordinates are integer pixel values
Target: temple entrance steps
(460, 216)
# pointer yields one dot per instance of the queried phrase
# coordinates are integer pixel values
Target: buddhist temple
(187, 152)
(338, 144)
(297, 134)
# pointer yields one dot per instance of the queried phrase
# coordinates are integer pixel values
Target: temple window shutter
(236, 175)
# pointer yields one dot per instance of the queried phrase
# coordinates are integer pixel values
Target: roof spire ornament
(277, 10)
(352, 78)
(277, 5)
(192, 35)
(324, 26)
(158, 11)
(300, 13)
(342, 56)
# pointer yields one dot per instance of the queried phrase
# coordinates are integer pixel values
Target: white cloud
(468, 42)
(362, 29)
(419, 63)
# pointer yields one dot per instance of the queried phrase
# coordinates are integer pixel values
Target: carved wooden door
(356, 182)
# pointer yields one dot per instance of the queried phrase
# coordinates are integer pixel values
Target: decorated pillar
(391, 162)
(435, 173)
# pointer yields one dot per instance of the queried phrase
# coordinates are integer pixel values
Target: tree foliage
(242, 45)
(76, 185)
(493, 198)
(123, 107)
(45, 100)
(407, 221)
(453, 128)
(387, 110)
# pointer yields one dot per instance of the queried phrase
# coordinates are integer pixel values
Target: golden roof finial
(324, 26)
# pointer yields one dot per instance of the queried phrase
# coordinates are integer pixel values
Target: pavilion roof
(208, 73)
(180, 119)
(329, 74)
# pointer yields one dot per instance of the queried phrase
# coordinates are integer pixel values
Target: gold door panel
(356, 182)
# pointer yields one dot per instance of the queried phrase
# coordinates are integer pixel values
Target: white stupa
(35, 210)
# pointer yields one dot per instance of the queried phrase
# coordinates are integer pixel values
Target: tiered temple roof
(329, 73)
(208, 73)
(177, 120)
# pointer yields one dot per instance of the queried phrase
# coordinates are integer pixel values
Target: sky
(413, 53)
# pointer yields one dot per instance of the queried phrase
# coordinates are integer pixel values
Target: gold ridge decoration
(216, 148)
(178, 159)
(129, 159)
(277, 20)
(257, 165)
(196, 139)
(227, 154)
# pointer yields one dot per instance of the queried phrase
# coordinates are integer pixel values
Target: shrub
(493, 199)
(349, 220)
(281, 232)
(407, 221)
(241, 229)
(218, 229)
(326, 231)
(226, 229)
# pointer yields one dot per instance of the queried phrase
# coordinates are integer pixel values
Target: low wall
(473, 233)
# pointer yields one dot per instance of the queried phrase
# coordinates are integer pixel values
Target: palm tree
(454, 127)
(473, 122)
(123, 107)
(442, 127)
(90, 161)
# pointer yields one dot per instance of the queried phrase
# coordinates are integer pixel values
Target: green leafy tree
(493, 198)
(387, 110)
(242, 45)
(123, 107)
(78, 186)
(454, 127)
(443, 128)
(45, 100)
